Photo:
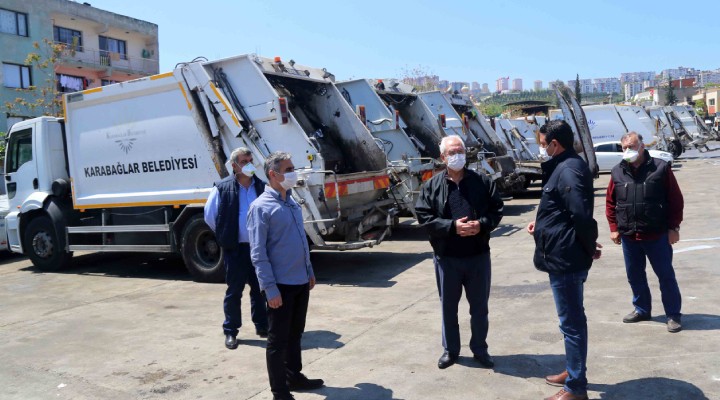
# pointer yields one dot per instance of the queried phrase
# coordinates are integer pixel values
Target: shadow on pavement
(321, 340)
(363, 269)
(361, 391)
(125, 265)
(511, 209)
(650, 388)
(529, 365)
(700, 322)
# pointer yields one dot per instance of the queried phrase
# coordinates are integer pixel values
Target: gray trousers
(472, 273)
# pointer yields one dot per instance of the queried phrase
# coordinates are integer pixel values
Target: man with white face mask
(459, 208)
(226, 214)
(644, 207)
(279, 250)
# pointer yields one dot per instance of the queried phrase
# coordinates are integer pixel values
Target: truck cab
(34, 164)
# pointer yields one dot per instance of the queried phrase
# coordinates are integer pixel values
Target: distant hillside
(495, 104)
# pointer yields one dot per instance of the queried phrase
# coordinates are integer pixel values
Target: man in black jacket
(565, 246)
(226, 214)
(460, 208)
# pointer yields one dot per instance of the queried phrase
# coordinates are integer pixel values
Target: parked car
(610, 154)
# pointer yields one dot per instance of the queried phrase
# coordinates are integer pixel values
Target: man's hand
(531, 228)
(463, 227)
(312, 282)
(598, 252)
(615, 237)
(673, 236)
(275, 302)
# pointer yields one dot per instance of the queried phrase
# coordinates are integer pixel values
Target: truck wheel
(675, 147)
(201, 252)
(42, 246)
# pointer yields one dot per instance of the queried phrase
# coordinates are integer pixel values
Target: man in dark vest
(644, 207)
(226, 214)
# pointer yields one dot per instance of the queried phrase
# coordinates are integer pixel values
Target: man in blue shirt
(226, 214)
(279, 250)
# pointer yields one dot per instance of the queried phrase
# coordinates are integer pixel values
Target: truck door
(20, 167)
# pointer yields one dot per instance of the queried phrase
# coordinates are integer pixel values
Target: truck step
(118, 228)
(121, 247)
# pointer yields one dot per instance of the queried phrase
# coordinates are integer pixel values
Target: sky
(472, 40)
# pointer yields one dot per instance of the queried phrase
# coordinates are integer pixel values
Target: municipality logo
(125, 144)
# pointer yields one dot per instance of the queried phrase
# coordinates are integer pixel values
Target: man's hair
(558, 130)
(629, 135)
(238, 152)
(273, 161)
(445, 139)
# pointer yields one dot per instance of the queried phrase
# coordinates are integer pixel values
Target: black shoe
(283, 397)
(231, 342)
(262, 332)
(635, 317)
(300, 382)
(485, 360)
(447, 359)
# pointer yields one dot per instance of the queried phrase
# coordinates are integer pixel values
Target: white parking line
(693, 248)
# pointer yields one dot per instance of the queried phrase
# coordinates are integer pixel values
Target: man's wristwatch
(676, 229)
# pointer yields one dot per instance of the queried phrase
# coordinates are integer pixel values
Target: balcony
(109, 61)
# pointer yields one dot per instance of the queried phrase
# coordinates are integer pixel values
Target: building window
(69, 37)
(105, 82)
(12, 120)
(112, 49)
(69, 83)
(13, 22)
(16, 76)
(711, 102)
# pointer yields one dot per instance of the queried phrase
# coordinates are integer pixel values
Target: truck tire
(676, 148)
(41, 244)
(201, 252)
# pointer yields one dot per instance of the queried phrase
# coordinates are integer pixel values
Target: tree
(670, 97)
(419, 77)
(701, 108)
(41, 99)
(578, 95)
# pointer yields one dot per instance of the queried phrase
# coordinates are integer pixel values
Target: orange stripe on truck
(344, 187)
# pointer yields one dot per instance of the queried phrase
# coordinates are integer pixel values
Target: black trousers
(285, 328)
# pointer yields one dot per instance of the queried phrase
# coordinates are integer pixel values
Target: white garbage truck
(130, 166)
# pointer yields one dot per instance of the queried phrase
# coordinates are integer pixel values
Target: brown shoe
(564, 395)
(557, 380)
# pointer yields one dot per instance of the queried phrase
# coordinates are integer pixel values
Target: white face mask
(249, 170)
(456, 162)
(291, 179)
(630, 155)
(543, 153)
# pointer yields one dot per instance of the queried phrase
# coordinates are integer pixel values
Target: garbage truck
(406, 164)
(130, 166)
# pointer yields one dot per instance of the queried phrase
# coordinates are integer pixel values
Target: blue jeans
(660, 254)
(472, 273)
(239, 271)
(568, 293)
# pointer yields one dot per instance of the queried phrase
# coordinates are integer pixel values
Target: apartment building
(501, 84)
(100, 48)
(517, 85)
(537, 86)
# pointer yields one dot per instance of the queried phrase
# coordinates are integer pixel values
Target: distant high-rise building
(606, 85)
(626, 77)
(517, 85)
(457, 86)
(502, 83)
(706, 77)
(537, 86)
(586, 85)
(427, 82)
(475, 86)
(485, 88)
(678, 73)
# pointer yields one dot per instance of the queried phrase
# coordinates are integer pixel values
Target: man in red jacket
(644, 207)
